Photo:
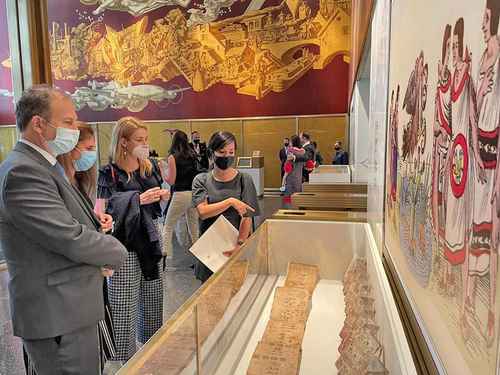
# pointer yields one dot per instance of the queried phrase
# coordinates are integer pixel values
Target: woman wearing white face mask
(128, 189)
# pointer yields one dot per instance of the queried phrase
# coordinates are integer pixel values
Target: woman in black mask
(224, 190)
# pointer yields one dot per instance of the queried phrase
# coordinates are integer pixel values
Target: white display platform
(330, 174)
(327, 315)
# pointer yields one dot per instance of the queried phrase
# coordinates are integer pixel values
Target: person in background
(51, 238)
(308, 157)
(288, 168)
(341, 157)
(294, 178)
(200, 148)
(282, 155)
(224, 191)
(80, 168)
(128, 188)
(318, 157)
(179, 171)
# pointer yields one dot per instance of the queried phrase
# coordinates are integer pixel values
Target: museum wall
(265, 135)
(262, 69)
(442, 204)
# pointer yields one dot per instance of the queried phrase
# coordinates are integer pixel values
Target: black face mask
(224, 162)
(337, 148)
(286, 144)
(196, 141)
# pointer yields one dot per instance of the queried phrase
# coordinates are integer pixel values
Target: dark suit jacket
(53, 249)
(202, 156)
(282, 160)
(308, 155)
(340, 158)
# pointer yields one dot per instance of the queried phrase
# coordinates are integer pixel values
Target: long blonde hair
(124, 128)
(85, 180)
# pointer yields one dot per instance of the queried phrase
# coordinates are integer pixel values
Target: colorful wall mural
(443, 181)
(175, 59)
(6, 94)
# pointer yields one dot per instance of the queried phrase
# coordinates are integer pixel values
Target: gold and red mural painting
(177, 59)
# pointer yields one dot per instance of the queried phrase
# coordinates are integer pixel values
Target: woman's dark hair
(180, 145)
(295, 140)
(220, 140)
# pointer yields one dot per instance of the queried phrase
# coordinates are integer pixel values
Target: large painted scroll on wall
(443, 181)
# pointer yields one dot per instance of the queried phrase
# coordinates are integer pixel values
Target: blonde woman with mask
(129, 190)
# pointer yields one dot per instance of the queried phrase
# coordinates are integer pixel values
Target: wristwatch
(240, 242)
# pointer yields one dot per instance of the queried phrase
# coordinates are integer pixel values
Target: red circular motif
(459, 180)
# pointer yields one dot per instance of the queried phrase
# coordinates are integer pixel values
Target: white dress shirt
(47, 155)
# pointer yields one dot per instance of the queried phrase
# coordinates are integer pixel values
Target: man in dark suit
(286, 143)
(200, 148)
(341, 156)
(309, 154)
(55, 253)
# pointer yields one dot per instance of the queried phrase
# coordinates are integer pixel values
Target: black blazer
(202, 156)
(308, 155)
(282, 159)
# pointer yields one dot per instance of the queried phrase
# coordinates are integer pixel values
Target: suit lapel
(87, 207)
(36, 156)
(77, 195)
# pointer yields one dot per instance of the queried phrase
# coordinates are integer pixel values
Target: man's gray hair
(35, 101)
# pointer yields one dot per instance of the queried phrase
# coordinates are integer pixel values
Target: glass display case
(357, 188)
(311, 215)
(330, 174)
(217, 330)
(362, 173)
(330, 201)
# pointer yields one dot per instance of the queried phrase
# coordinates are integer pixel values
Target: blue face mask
(65, 140)
(86, 161)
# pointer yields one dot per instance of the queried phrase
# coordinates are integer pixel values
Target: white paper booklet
(221, 236)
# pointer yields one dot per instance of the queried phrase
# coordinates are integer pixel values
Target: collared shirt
(47, 155)
(306, 144)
